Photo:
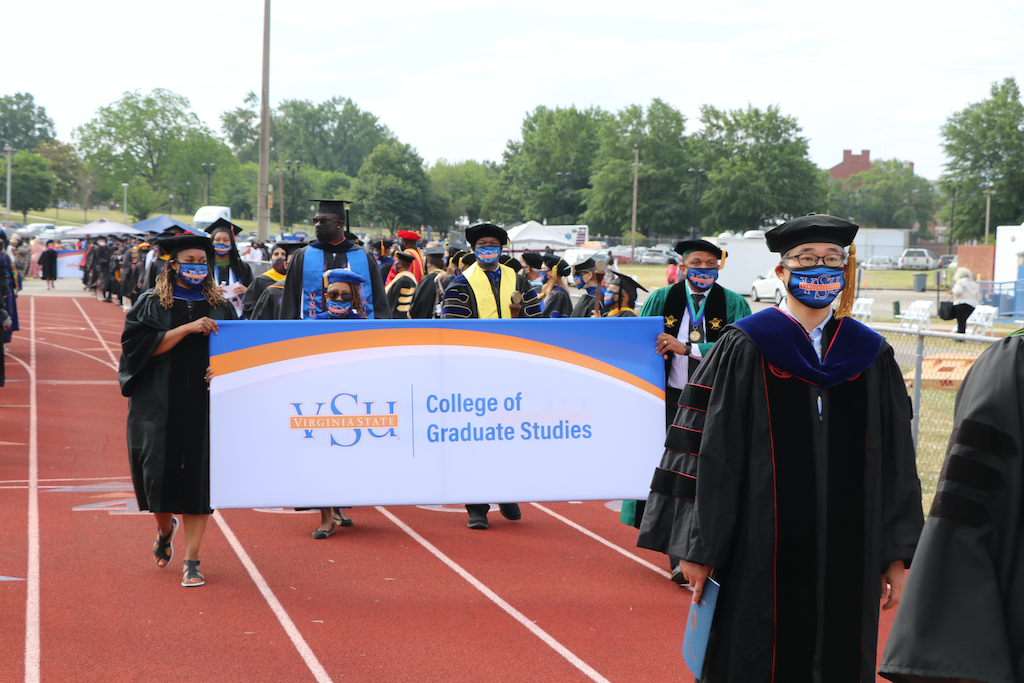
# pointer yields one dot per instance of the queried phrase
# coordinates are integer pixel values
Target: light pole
(124, 204)
(172, 204)
(988, 208)
(209, 168)
(952, 216)
(632, 226)
(9, 151)
(297, 163)
(188, 196)
(563, 178)
(696, 174)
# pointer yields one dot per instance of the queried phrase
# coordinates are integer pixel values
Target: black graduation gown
(3, 315)
(799, 513)
(424, 299)
(169, 406)
(335, 256)
(254, 291)
(269, 305)
(962, 613)
(460, 301)
(559, 304)
(400, 292)
(584, 307)
(48, 264)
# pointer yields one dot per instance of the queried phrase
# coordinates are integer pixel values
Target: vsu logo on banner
(345, 418)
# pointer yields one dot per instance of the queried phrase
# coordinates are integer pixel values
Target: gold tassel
(849, 292)
(721, 264)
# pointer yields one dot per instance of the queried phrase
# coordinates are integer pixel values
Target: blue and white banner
(324, 413)
(69, 263)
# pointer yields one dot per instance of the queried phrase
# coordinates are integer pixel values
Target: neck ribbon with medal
(696, 316)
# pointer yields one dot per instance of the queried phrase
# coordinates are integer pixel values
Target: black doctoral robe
(460, 301)
(335, 256)
(48, 264)
(558, 304)
(400, 293)
(962, 613)
(424, 299)
(584, 307)
(255, 290)
(798, 512)
(269, 305)
(169, 406)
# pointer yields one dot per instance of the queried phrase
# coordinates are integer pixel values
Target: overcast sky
(454, 78)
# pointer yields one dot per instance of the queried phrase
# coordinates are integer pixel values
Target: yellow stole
(274, 275)
(486, 307)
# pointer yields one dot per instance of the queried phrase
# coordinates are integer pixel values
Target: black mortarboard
(507, 260)
(468, 259)
(289, 247)
(172, 245)
(223, 224)
(585, 264)
(625, 282)
(480, 230)
(380, 244)
(434, 251)
(532, 259)
(354, 237)
(456, 256)
(810, 228)
(687, 246)
(404, 256)
(335, 206)
(557, 264)
(172, 231)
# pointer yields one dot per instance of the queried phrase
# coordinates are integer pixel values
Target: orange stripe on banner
(275, 352)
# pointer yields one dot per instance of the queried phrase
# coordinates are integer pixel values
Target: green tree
(984, 143)
(554, 141)
(461, 189)
(23, 124)
(142, 201)
(759, 172)
(66, 167)
(888, 195)
(32, 183)
(664, 190)
(392, 189)
(241, 126)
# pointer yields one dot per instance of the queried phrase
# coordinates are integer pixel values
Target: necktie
(699, 327)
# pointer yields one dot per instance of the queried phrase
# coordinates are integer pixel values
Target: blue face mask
(609, 299)
(702, 278)
(221, 249)
(488, 255)
(816, 287)
(338, 309)
(578, 279)
(193, 274)
(545, 275)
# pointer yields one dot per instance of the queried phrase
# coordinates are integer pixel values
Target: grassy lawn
(900, 279)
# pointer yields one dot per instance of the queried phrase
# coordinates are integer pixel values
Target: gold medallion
(694, 335)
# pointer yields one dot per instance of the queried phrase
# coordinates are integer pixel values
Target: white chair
(982, 317)
(919, 315)
(862, 309)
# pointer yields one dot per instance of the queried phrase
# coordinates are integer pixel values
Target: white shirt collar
(816, 334)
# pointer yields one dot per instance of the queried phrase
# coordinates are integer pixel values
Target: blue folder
(698, 628)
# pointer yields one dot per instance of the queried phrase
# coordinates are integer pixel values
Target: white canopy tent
(532, 236)
(101, 227)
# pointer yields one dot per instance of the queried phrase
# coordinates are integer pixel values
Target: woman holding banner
(165, 372)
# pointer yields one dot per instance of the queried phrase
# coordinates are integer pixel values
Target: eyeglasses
(334, 296)
(811, 260)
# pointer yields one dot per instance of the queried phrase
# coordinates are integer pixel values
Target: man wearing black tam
(789, 472)
(426, 296)
(303, 290)
(401, 287)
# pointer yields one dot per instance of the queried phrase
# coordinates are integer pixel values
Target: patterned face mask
(488, 255)
(221, 249)
(816, 287)
(702, 278)
(338, 308)
(193, 274)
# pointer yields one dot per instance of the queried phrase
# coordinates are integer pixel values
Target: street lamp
(988, 192)
(953, 187)
(188, 196)
(297, 163)
(124, 204)
(696, 174)
(8, 150)
(563, 178)
(209, 169)
(172, 204)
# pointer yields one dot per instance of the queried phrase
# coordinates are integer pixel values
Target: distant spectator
(966, 297)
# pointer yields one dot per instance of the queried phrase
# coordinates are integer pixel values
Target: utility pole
(632, 229)
(263, 193)
(280, 187)
(9, 150)
(988, 191)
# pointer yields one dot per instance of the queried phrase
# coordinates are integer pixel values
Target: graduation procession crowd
(788, 474)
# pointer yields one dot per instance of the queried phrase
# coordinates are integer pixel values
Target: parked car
(917, 259)
(768, 286)
(879, 263)
(947, 261)
(656, 257)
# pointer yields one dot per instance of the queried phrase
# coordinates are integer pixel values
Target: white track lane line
(103, 342)
(32, 672)
(603, 541)
(81, 353)
(275, 605)
(493, 597)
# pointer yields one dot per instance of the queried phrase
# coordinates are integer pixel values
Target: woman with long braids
(165, 373)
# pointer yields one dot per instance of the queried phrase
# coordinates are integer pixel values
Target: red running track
(407, 594)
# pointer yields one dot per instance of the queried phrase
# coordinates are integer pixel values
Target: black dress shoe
(510, 511)
(477, 520)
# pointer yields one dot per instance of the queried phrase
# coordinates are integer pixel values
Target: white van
(208, 215)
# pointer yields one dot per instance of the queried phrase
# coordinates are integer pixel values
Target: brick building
(851, 164)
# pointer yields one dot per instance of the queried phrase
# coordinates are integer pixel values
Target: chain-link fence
(933, 366)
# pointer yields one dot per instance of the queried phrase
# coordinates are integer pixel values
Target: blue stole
(313, 280)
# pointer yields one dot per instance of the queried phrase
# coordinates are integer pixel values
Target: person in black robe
(585, 277)
(553, 271)
(5, 319)
(962, 614)
(402, 286)
(165, 372)
(426, 297)
(233, 275)
(280, 256)
(620, 295)
(48, 264)
(790, 473)
(335, 250)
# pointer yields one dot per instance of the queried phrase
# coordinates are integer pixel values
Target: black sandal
(164, 549)
(321, 534)
(191, 572)
(340, 519)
